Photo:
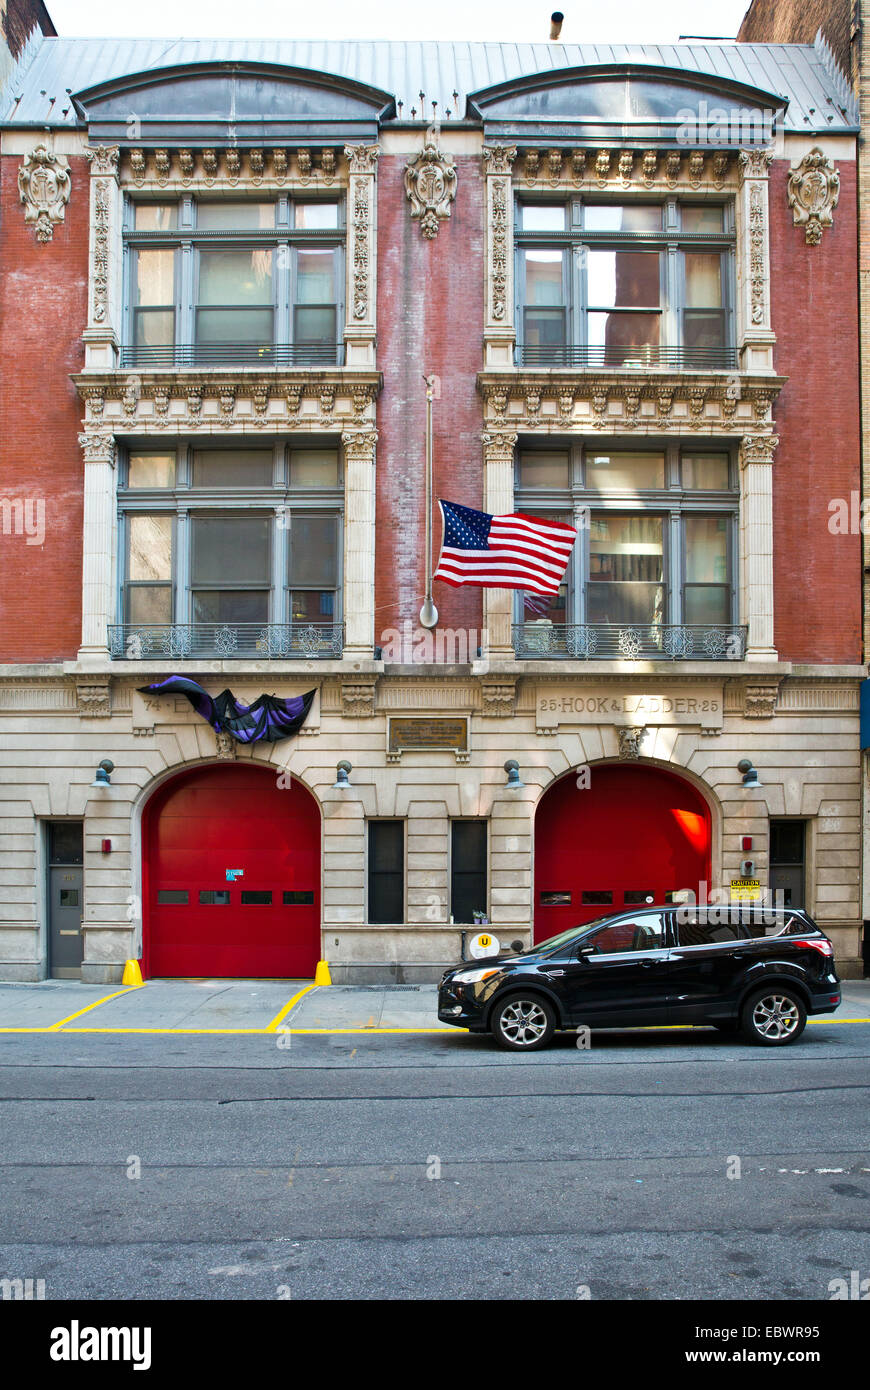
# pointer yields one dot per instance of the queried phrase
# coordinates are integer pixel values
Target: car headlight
(474, 977)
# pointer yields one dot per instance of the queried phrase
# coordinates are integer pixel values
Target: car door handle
(648, 964)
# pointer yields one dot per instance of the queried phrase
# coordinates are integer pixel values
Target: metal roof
(38, 90)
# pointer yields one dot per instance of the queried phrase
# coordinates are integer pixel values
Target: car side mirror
(587, 951)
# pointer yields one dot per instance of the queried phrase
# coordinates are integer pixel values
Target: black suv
(754, 970)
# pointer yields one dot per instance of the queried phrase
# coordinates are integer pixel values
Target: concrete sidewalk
(258, 1006)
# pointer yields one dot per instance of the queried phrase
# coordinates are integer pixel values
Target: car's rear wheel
(523, 1022)
(772, 1017)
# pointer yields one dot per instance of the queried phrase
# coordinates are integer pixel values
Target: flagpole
(429, 613)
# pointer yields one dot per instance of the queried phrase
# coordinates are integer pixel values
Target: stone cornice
(559, 400)
(232, 401)
(556, 168)
(178, 169)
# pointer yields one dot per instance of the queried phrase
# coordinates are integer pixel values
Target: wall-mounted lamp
(512, 768)
(342, 780)
(750, 776)
(102, 776)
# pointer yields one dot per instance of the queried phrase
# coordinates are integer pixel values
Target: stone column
(102, 337)
(360, 297)
(98, 545)
(498, 488)
(755, 337)
(756, 544)
(359, 542)
(499, 331)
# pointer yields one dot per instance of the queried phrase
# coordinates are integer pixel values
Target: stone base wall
(799, 727)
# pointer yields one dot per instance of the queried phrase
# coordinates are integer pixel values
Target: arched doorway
(636, 834)
(201, 917)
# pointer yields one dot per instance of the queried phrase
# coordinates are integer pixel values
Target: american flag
(503, 552)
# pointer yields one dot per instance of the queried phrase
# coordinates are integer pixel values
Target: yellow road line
(96, 1004)
(258, 1032)
(273, 1026)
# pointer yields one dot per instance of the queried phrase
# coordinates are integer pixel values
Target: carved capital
(498, 446)
(758, 448)
(363, 159)
(430, 185)
(754, 164)
(358, 698)
(498, 696)
(759, 699)
(498, 159)
(93, 698)
(360, 444)
(813, 193)
(98, 448)
(103, 159)
(44, 189)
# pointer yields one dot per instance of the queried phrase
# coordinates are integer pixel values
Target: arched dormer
(245, 104)
(629, 104)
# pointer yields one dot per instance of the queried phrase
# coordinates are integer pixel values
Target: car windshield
(566, 937)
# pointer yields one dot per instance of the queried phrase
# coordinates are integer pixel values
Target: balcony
(700, 359)
(235, 355)
(183, 641)
(540, 638)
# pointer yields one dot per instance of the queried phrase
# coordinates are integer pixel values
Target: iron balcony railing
(236, 355)
(629, 642)
(709, 359)
(274, 641)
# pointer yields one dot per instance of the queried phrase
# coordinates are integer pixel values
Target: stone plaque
(638, 706)
(410, 734)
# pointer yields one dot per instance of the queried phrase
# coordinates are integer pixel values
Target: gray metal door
(788, 879)
(65, 919)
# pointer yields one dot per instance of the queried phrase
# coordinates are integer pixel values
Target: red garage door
(264, 922)
(634, 836)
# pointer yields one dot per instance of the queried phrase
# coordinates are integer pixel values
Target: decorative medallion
(813, 193)
(430, 184)
(44, 189)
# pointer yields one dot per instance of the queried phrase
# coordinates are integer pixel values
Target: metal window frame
(183, 502)
(671, 243)
(187, 241)
(673, 502)
(487, 868)
(369, 870)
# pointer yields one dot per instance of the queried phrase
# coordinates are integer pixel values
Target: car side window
(699, 929)
(644, 933)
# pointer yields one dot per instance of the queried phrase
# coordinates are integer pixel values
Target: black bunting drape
(267, 720)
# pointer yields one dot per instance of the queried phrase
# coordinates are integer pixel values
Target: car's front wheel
(523, 1022)
(772, 1017)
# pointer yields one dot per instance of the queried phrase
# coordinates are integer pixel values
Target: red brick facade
(814, 290)
(43, 311)
(430, 320)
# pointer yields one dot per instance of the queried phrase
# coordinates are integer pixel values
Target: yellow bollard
(321, 974)
(132, 974)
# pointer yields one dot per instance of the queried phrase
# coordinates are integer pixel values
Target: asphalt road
(308, 1170)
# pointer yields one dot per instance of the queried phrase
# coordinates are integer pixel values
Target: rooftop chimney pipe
(555, 25)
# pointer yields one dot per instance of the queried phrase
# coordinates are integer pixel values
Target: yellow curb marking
(96, 1004)
(273, 1026)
